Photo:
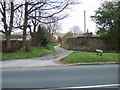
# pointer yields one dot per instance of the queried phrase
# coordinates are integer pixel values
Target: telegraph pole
(85, 27)
(84, 21)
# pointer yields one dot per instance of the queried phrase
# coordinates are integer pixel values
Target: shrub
(42, 37)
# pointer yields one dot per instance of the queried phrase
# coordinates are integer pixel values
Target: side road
(49, 60)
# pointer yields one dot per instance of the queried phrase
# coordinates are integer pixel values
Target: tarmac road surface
(58, 77)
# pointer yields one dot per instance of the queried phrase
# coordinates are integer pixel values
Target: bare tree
(25, 26)
(53, 28)
(36, 12)
(7, 11)
(7, 26)
(40, 11)
(76, 30)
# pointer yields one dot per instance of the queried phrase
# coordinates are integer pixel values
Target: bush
(49, 47)
(42, 37)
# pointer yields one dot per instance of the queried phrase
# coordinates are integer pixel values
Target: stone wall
(85, 42)
(15, 46)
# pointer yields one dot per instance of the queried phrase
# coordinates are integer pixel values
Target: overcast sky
(77, 16)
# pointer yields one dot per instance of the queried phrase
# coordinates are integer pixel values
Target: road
(56, 77)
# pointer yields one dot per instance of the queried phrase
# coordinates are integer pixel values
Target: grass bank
(87, 49)
(35, 52)
(90, 57)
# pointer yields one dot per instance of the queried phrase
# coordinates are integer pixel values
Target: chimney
(87, 31)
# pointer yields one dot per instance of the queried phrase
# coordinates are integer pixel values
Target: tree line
(29, 15)
(107, 19)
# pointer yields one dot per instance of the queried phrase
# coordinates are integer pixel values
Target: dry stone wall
(85, 42)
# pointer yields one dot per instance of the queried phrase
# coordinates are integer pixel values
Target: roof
(16, 36)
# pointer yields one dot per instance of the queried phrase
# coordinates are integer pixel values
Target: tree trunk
(34, 36)
(34, 43)
(8, 33)
(25, 26)
(8, 41)
(8, 30)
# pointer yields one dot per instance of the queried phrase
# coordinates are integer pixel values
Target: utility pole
(85, 28)
(84, 21)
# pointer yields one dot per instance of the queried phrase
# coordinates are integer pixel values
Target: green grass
(0, 56)
(90, 57)
(88, 49)
(35, 52)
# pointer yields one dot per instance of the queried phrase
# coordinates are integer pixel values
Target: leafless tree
(30, 14)
(7, 20)
(7, 16)
(76, 30)
(40, 11)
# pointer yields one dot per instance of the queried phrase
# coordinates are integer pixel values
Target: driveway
(49, 60)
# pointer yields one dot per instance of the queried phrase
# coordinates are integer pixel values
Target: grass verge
(90, 57)
(35, 52)
(87, 49)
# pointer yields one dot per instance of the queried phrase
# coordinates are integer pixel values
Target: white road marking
(94, 86)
